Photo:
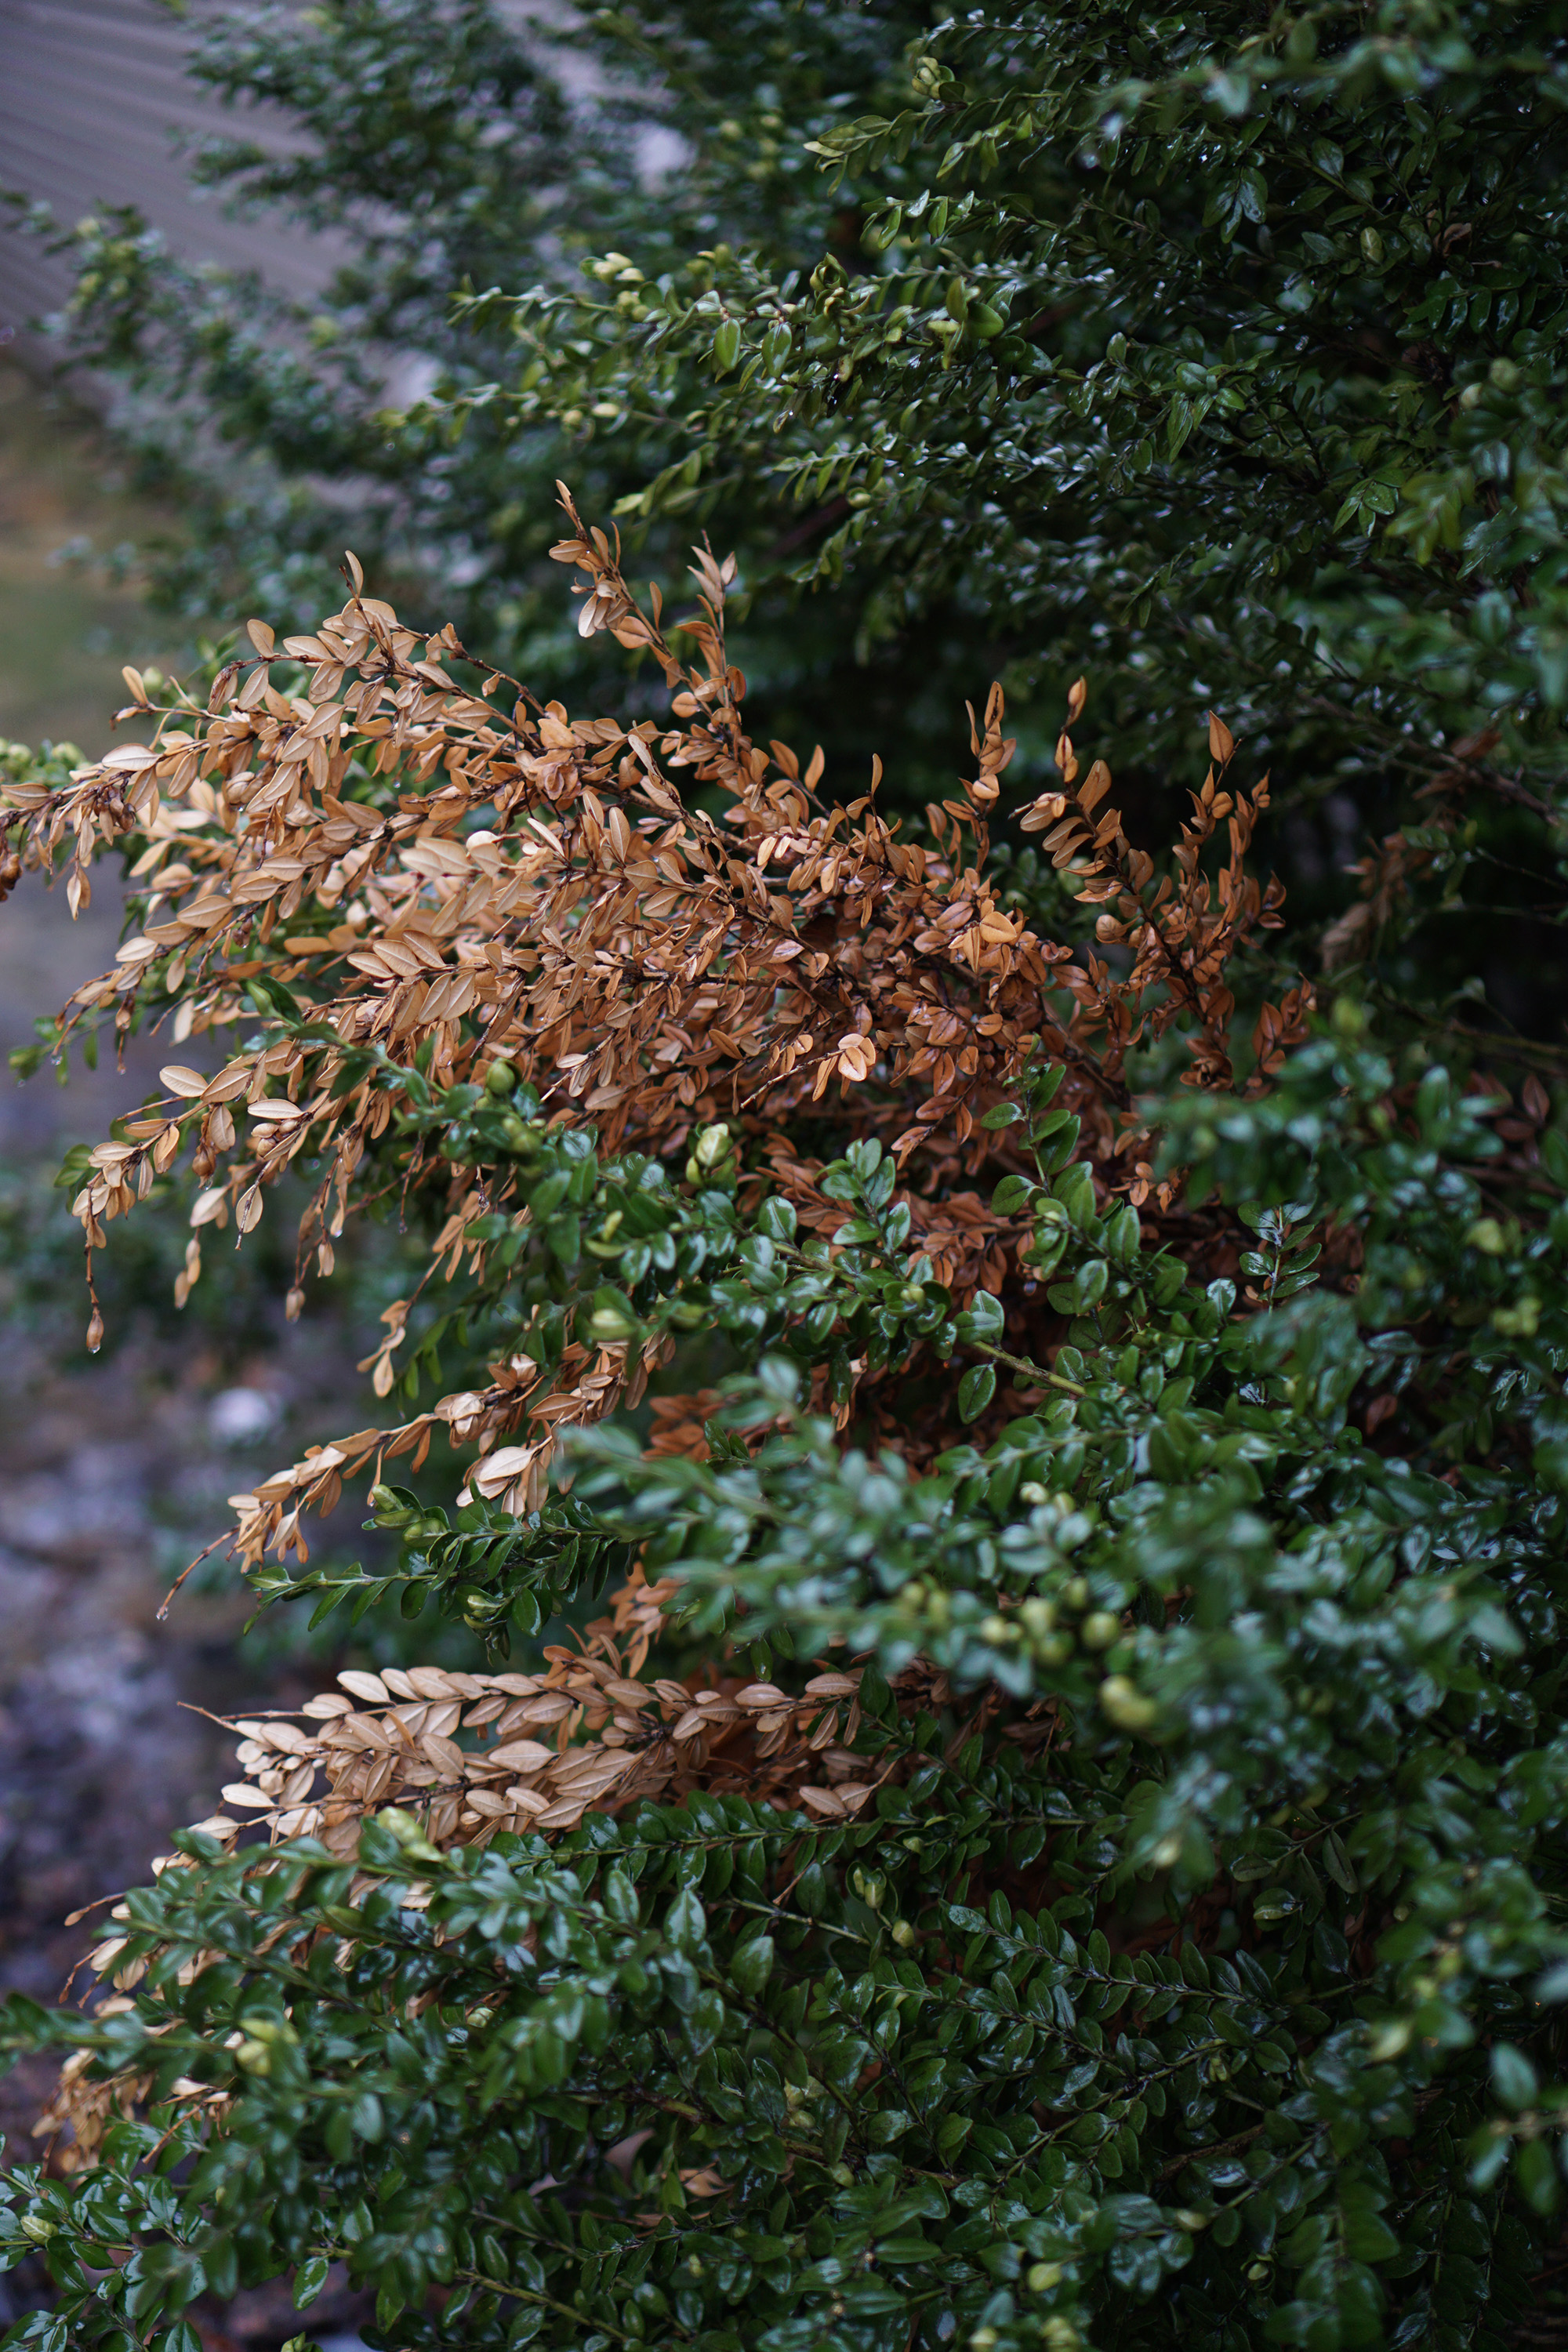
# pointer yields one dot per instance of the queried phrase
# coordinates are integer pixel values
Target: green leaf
(1368, 2238)
(1513, 2077)
(1011, 1195)
(983, 1320)
(751, 1964)
(685, 1923)
(976, 1391)
(308, 2280)
(1338, 1863)
(1537, 2176)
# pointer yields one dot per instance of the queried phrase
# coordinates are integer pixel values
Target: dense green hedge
(1213, 2007)
(1195, 1971)
(1215, 355)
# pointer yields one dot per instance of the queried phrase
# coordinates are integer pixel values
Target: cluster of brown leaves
(542, 890)
(586, 1735)
(657, 925)
(1383, 877)
(82, 2109)
(608, 1741)
(543, 1750)
(1183, 930)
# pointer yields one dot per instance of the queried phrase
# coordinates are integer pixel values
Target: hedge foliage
(1219, 355)
(987, 1396)
(1057, 1836)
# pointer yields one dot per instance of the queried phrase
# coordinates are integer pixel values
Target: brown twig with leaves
(656, 927)
(542, 890)
(647, 955)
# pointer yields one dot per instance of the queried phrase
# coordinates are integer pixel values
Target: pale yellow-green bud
(609, 1325)
(1125, 1703)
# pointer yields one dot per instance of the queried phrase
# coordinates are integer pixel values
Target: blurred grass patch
(70, 609)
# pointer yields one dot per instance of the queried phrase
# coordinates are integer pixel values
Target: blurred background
(113, 1470)
(96, 107)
